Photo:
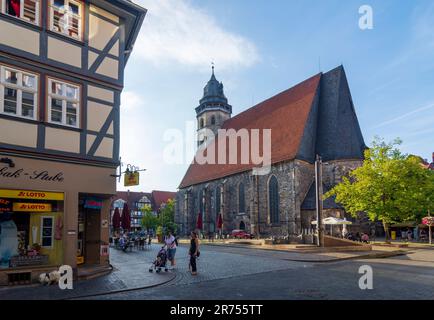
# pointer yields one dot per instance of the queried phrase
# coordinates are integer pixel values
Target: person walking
(193, 252)
(171, 242)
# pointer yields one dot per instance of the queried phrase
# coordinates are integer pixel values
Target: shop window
(66, 17)
(63, 103)
(47, 232)
(27, 10)
(18, 93)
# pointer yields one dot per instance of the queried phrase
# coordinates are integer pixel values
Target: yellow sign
(131, 179)
(80, 260)
(31, 207)
(29, 194)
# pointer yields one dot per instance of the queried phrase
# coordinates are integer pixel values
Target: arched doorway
(242, 225)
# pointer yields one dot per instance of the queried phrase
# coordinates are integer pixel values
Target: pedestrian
(171, 244)
(193, 252)
(409, 234)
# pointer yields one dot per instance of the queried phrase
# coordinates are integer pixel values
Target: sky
(262, 47)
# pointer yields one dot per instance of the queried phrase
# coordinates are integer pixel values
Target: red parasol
(116, 220)
(199, 223)
(126, 218)
(219, 221)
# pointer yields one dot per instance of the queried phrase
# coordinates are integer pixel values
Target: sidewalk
(132, 275)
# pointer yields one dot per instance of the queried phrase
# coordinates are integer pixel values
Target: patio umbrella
(199, 224)
(126, 218)
(116, 220)
(333, 221)
(219, 221)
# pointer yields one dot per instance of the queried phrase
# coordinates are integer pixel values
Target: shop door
(93, 236)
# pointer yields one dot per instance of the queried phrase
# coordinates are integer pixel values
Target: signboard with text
(131, 179)
(28, 194)
(31, 207)
(5, 205)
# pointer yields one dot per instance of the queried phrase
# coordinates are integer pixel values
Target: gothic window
(213, 120)
(241, 198)
(200, 200)
(217, 200)
(273, 199)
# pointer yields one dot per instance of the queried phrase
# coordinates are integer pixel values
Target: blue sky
(262, 47)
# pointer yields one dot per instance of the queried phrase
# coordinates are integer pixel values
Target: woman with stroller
(193, 252)
(171, 242)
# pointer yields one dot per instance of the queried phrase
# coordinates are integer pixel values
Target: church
(315, 117)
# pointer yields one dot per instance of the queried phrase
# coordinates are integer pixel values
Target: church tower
(212, 111)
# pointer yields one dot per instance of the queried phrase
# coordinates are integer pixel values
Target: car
(241, 234)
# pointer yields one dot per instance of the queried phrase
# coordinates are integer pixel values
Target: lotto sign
(131, 179)
(28, 194)
(31, 207)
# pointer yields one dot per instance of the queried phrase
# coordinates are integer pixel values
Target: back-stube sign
(41, 175)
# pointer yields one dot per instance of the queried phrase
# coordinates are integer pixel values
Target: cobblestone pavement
(394, 278)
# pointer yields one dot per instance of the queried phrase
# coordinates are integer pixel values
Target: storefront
(52, 213)
(31, 225)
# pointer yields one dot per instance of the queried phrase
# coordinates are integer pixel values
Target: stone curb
(377, 255)
(121, 290)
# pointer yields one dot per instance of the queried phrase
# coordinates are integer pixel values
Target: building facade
(136, 202)
(62, 72)
(315, 117)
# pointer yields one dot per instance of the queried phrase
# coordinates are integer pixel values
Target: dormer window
(66, 17)
(27, 10)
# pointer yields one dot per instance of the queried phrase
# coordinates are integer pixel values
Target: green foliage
(149, 220)
(390, 186)
(167, 216)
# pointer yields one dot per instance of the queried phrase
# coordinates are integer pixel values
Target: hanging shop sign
(93, 203)
(28, 194)
(131, 178)
(5, 205)
(31, 207)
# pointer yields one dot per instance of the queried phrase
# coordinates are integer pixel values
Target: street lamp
(319, 203)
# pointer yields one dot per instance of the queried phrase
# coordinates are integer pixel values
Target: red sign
(5, 205)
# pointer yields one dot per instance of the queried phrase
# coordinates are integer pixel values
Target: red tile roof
(285, 114)
(161, 197)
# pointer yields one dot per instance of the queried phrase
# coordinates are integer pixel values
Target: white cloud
(131, 100)
(175, 31)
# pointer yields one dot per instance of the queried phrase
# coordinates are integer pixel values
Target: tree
(149, 220)
(389, 186)
(167, 216)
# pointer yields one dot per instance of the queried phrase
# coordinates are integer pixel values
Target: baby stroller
(160, 261)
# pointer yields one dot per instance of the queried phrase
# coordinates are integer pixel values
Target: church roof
(297, 117)
(309, 202)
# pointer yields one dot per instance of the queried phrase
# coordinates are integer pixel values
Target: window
(66, 17)
(18, 93)
(47, 232)
(201, 123)
(217, 200)
(24, 9)
(213, 120)
(273, 199)
(241, 199)
(63, 103)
